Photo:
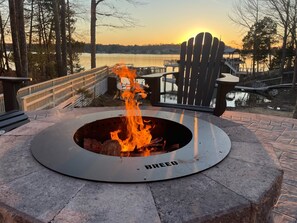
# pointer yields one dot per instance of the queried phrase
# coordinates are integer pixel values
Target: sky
(166, 21)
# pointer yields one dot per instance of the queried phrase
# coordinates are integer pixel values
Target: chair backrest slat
(203, 68)
(188, 69)
(209, 77)
(215, 72)
(199, 67)
(195, 67)
(181, 72)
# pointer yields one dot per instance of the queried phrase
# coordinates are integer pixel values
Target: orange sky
(168, 21)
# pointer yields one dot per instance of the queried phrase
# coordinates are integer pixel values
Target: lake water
(138, 60)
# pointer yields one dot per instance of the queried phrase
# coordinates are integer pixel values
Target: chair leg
(222, 90)
(154, 87)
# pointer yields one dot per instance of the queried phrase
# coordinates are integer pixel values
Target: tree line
(41, 32)
(135, 49)
(269, 28)
(41, 35)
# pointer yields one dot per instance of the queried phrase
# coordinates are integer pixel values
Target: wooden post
(11, 85)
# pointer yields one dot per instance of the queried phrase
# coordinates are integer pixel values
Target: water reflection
(244, 99)
(235, 100)
(138, 60)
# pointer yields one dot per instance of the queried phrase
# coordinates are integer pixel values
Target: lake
(138, 60)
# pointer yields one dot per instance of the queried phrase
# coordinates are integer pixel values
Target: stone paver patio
(280, 134)
(277, 133)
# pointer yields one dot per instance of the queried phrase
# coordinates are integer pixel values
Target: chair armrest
(225, 84)
(15, 79)
(228, 79)
(156, 75)
(153, 81)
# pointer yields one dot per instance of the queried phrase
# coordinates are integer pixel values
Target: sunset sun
(193, 32)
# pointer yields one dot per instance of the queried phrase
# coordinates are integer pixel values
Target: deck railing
(50, 93)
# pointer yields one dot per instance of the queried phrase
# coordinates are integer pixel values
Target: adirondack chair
(199, 72)
(13, 117)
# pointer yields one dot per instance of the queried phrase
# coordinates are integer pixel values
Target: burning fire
(138, 133)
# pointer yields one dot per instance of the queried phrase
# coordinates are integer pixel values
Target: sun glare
(194, 32)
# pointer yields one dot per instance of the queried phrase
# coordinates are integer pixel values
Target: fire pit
(167, 137)
(192, 145)
(242, 188)
(131, 146)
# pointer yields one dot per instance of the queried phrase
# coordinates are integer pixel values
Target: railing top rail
(58, 85)
(66, 78)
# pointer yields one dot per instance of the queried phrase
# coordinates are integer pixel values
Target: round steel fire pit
(203, 145)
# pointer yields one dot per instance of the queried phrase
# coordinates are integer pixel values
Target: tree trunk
(58, 38)
(69, 39)
(63, 37)
(22, 37)
(93, 33)
(31, 26)
(284, 52)
(295, 111)
(14, 37)
(4, 44)
(295, 71)
(284, 46)
(294, 39)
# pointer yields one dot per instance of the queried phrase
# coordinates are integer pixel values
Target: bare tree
(14, 36)
(22, 37)
(59, 62)
(50, 22)
(293, 31)
(69, 38)
(124, 20)
(3, 52)
(246, 13)
(281, 11)
(94, 4)
(63, 37)
(16, 13)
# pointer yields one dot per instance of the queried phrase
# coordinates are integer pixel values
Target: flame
(138, 133)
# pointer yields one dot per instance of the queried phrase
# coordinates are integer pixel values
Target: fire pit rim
(189, 160)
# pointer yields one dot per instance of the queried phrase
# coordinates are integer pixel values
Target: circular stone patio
(242, 188)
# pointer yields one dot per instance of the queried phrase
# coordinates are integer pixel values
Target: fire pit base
(241, 188)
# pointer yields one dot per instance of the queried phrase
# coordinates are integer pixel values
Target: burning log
(92, 145)
(109, 147)
(173, 147)
(113, 148)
